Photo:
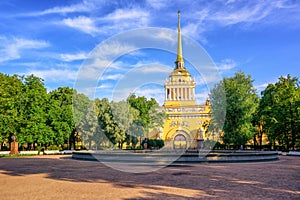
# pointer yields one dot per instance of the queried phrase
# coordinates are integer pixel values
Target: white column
(166, 95)
(186, 94)
(193, 93)
(173, 93)
(180, 93)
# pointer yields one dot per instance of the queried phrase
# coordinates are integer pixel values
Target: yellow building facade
(185, 123)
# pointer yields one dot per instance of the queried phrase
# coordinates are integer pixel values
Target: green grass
(16, 155)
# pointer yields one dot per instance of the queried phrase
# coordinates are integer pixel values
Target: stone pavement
(59, 177)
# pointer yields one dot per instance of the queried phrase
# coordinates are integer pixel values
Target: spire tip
(179, 60)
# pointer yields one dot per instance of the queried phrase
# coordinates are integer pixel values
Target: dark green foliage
(155, 143)
(10, 93)
(149, 117)
(38, 119)
(45, 120)
(241, 103)
(106, 122)
(49, 120)
(60, 114)
(33, 110)
(279, 112)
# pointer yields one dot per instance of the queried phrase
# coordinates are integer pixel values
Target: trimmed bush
(155, 143)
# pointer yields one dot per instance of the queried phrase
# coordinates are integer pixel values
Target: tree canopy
(241, 102)
(279, 112)
(63, 116)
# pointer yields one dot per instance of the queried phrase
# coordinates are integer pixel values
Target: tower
(185, 124)
(180, 88)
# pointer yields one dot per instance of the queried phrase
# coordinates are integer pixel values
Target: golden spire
(179, 60)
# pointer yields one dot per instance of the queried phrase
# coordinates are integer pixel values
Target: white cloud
(73, 57)
(230, 1)
(101, 59)
(166, 36)
(151, 67)
(190, 29)
(212, 73)
(157, 68)
(158, 4)
(194, 30)
(246, 15)
(261, 86)
(104, 86)
(27, 64)
(123, 19)
(85, 6)
(66, 9)
(82, 23)
(115, 21)
(112, 49)
(226, 64)
(97, 63)
(221, 14)
(112, 77)
(12, 48)
(196, 25)
(55, 75)
(125, 14)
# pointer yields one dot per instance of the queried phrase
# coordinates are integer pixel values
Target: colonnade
(181, 93)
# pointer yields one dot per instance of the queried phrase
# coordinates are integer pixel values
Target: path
(58, 177)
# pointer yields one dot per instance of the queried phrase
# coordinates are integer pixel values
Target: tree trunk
(260, 140)
(90, 144)
(254, 142)
(287, 141)
(73, 139)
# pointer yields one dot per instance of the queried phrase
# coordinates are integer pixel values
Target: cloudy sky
(63, 41)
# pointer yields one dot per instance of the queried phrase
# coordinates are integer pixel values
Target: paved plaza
(59, 177)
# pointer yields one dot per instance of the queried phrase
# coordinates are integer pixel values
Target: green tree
(258, 123)
(143, 106)
(217, 96)
(241, 104)
(279, 112)
(124, 116)
(33, 112)
(89, 126)
(150, 116)
(136, 131)
(218, 102)
(10, 89)
(60, 115)
(267, 115)
(81, 103)
(107, 123)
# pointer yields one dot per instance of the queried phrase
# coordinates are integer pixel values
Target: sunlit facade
(186, 122)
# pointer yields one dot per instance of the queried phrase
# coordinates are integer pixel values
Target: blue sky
(53, 39)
